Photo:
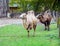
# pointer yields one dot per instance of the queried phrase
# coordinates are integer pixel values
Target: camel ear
(24, 17)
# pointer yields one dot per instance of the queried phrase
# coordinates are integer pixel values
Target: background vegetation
(36, 5)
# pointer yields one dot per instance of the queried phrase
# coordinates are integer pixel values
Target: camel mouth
(21, 18)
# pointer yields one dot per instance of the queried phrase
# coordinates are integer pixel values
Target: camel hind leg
(34, 27)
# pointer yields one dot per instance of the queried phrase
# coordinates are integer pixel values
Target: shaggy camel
(29, 21)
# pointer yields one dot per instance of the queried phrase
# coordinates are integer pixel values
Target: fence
(3, 8)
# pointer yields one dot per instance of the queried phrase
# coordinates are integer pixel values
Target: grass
(16, 35)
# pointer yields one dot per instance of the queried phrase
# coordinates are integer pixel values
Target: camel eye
(25, 15)
(32, 12)
(28, 12)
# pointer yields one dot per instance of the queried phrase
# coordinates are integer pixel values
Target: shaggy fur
(45, 19)
(29, 21)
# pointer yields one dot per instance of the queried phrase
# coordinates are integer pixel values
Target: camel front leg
(28, 33)
(48, 26)
(45, 27)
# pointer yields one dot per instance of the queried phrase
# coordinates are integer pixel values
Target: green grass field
(16, 35)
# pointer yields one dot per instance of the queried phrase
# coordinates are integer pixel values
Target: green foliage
(36, 5)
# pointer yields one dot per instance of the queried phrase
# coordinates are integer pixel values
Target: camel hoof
(48, 30)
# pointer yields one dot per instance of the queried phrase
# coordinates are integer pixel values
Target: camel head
(23, 16)
(30, 12)
(39, 16)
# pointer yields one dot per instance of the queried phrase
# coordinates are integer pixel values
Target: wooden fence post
(59, 24)
(59, 31)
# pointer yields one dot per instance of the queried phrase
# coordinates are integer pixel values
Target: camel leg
(48, 26)
(34, 27)
(28, 33)
(28, 28)
(45, 26)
